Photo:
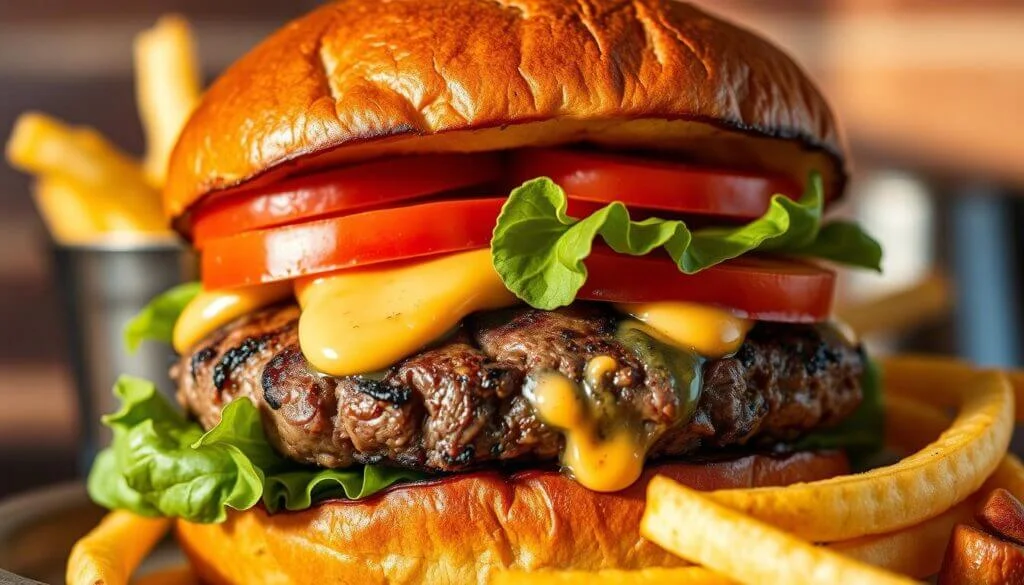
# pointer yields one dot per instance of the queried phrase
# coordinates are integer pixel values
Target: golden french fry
(910, 425)
(43, 145)
(680, 576)
(66, 210)
(933, 479)
(82, 170)
(915, 551)
(705, 532)
(915, 376)
(924, 301)
(167, 88)
(1009, 476)
(114, 549)
(930, 380)
(1017, 379)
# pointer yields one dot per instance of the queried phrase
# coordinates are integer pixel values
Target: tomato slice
(756, 287)
(772, 289)
(336, 243)
(346, 190)
(651, 184)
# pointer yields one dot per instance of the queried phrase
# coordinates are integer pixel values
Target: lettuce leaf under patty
(162, 464)
(538, 250)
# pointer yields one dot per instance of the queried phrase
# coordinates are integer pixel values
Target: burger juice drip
(605, 447)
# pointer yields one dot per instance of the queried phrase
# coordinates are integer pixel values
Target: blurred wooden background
(937, 85)
(72, 58)
(933, 88)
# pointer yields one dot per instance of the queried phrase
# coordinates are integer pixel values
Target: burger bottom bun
(463, 528)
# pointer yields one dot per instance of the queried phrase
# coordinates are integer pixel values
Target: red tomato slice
(651, 184)
(357, 188)
(762, 288)
(383, 235)
(759, 288)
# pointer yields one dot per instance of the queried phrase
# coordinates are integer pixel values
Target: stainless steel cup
(102, 286)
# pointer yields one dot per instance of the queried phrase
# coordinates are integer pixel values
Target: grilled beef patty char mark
(460, 403)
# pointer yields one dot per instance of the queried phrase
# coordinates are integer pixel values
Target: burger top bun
(359, 79)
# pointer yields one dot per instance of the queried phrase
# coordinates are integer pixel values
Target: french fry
(910, 425)
(43, 145)
(66, 210)
(915, 551)
(1017, 380)
(700, 530)
(114, 549)
(914, 376)
(82, 170)
(1008, 476)
(680, 576)
(915, 489)
(167, 88)
(920, 303)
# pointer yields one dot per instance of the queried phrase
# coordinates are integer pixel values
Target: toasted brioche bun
(462, 529)
(360, 79)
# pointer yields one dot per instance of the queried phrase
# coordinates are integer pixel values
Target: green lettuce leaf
(862, 434)
(298, 490)
(161, 464)
(156, 320)
(538, 250)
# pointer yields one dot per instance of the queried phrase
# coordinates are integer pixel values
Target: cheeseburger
(473, 272)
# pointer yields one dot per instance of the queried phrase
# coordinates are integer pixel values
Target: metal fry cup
(102, 286)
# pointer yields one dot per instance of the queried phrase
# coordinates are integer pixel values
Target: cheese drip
(604, 460)
(359, 321)
(210, 310)
(606, 444)
(710, 331)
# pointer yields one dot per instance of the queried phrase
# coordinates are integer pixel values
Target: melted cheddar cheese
(355, 322)
(210, 310)
(602, 452)
(710, 331)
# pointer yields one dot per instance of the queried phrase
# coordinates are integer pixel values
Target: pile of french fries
(88, 190)
(888, 525)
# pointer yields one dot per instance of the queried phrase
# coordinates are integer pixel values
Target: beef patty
(460, 403)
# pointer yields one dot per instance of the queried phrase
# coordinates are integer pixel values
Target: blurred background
(931, 95)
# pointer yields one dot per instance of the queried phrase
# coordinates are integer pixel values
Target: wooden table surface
(933, 85)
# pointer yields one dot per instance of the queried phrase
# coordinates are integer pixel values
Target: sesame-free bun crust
(464, 528)
(359, 79)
